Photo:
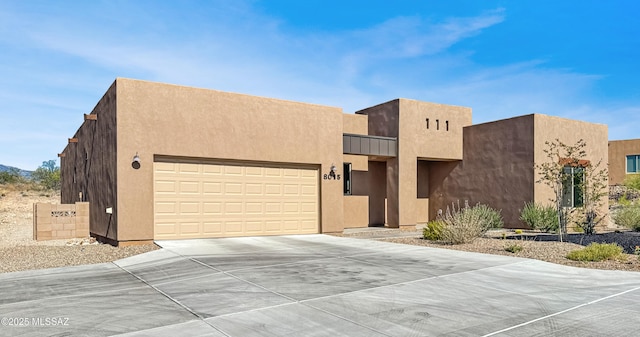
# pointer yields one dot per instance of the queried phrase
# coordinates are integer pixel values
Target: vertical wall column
(393, 196)
(406, 184)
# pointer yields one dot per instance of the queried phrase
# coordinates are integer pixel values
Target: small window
(572, 186)
(346, 172)
(437, 124)
(427, 122)
(633, 163)
(447, 125)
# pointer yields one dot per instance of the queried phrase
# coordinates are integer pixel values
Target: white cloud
(67, 62)
(403, 37)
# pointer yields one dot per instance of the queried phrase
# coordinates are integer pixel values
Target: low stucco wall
(422, 210)
(60, 221)
(356, 211)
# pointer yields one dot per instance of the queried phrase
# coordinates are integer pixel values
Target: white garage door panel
(216, 200)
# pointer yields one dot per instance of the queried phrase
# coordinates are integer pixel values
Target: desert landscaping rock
(535, 246)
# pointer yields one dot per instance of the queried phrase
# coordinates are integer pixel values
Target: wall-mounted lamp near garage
(332, 173)
(136, 161)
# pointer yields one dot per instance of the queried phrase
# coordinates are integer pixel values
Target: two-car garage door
(204, 200)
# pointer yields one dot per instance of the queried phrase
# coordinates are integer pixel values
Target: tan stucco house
(624, 159)
(159, 161)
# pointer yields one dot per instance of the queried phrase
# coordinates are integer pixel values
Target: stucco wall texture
(426, 131)
(497, 169)
(441, 157)
(596, 137)
(499, 160)
(161, 119)
(618, 152)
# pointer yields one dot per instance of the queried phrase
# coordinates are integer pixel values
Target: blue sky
(574, 59)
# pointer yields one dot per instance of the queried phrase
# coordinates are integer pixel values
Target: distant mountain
(25, 173)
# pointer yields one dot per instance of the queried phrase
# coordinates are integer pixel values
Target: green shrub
(515, 248)
(518, 231)
(539, 216)
(624, 201)
(596, 252)
(48, 175)
(433, 230)
(12, 176)
(463, 225)
(628, 216)
(632, 181)
(491, 217)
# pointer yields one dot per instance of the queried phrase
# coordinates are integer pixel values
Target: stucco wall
(383, 119)
(426, 131)
(618, 152)
(170, 120)
(358, 125)
(356, 211)
(441, 139)
(497, 169)
(89, 167)
(549, 128)
(355, 124)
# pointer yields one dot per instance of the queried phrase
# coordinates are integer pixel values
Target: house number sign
(331, 176)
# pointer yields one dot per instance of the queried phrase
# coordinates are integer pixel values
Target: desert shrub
(539, 216)
(632, 181)
(515, 248)
(492, 217)
(624, 200)
(463, 225)
(433, 230)
(518, 231)
(596, 252)
(11, 176)
(48, 175)
(628, 216)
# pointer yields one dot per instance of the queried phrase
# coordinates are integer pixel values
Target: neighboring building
(159, 161)
(624, 159)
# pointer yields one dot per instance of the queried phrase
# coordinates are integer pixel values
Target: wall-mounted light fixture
(136, 161)
(332, 171)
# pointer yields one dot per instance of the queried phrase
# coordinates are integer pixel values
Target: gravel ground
(535, 246)
(18, 250)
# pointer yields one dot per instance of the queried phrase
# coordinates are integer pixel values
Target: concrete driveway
(317, 285)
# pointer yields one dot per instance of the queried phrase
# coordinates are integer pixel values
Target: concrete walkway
(317, 285)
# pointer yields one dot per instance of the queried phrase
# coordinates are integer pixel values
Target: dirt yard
(18, 250)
